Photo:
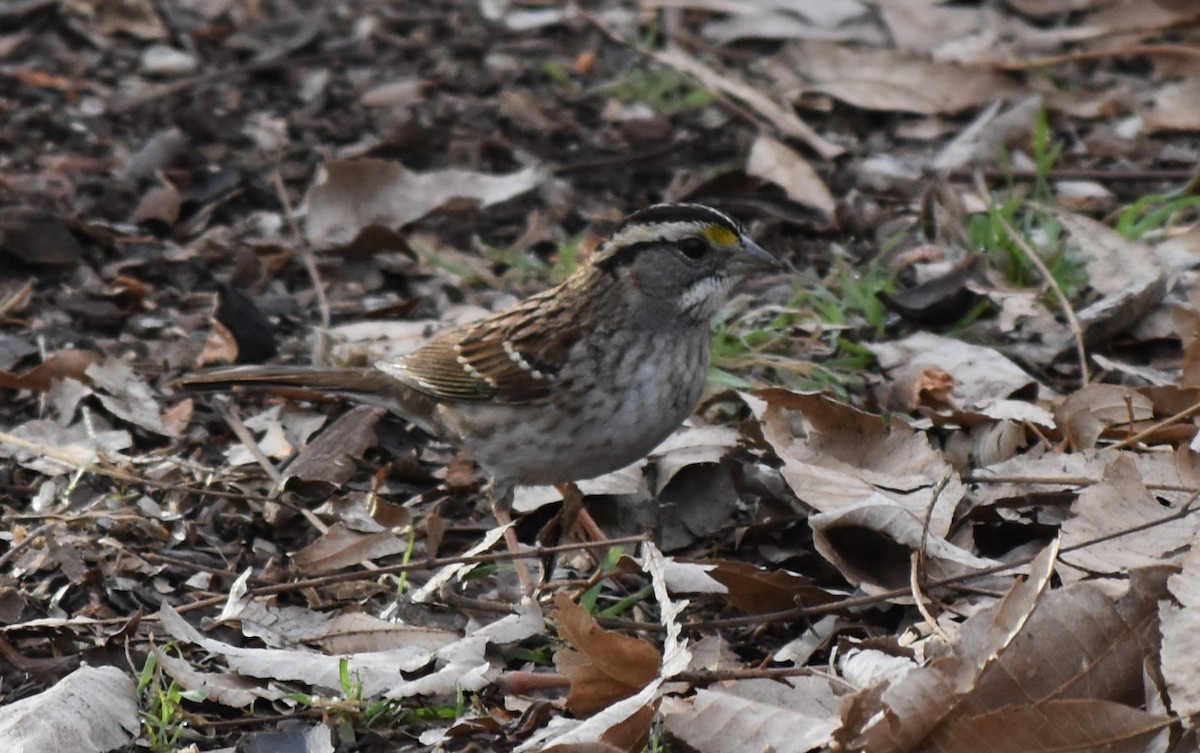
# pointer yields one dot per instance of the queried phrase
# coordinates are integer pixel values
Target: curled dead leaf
(604, 666)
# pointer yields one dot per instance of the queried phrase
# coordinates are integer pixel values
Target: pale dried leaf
(982, 375)
(691, 577)
(349, 195)
(627, 718)
(756, 715)
(347, 633)
(52, 450)
(127, 396)
(989, 133)
(378, 670)
(676, 656)
(785, 23)
(688, 446)
(234, 691)
(886, 80)
(1181, 637)
(464, 664)
(399, 93)
(448, 573)
(91, 710)
(1121, 502)
(922, 27)
(778, 163)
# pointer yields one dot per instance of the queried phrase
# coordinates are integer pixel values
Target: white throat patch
(702, 297)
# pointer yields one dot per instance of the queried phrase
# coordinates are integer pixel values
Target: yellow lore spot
(719, 235)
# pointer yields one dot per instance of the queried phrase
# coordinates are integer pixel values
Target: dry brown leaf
(138, 18)
(755, 590)
(989, 134)
(689, 446)
(921, 27)
(604, 666)
(594, 747)
(61, 364)
(160, 204)
(1085, 415)
(404, 92)
(334, 456)
(909, 709)
(835, 456)
(1129, 276)
(38, 238)
(1114, 263)
(872, 543)
(1075, 645)
(842, 20)
(1048, 8)
(459, 665)
(1053, 726)
(340, 547)
(52, 450)
(1057, 475)
(1137, 18)
(944, 297)
(347, 633)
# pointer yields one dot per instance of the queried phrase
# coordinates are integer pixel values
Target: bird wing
(513, 358)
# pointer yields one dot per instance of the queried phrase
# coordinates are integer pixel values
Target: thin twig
(321, 346)
(16, 548)
(975, 478)
(243, 434)
(1130, 441)
(1174, 50)
(914, 587)
(918, 560)
(425, 564)
(1063, 302)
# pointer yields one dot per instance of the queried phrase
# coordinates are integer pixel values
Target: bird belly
(590, 431)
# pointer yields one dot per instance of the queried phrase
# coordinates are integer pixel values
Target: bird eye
(693, 248)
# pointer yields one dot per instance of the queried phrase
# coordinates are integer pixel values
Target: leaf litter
(957, 515)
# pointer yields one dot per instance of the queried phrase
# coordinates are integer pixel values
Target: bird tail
(368, 386)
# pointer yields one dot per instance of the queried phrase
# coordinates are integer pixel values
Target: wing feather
(514, 357)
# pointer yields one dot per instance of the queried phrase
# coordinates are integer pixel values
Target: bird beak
(749, 256)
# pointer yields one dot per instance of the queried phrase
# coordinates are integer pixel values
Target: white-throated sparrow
(575, 381)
